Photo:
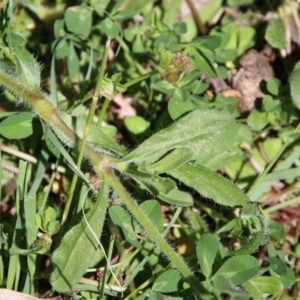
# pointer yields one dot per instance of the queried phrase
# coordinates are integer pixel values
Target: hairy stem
(102, 166)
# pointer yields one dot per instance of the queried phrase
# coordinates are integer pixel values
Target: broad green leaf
(275, 34)
(207, 248)
(124, 14)
(276, 230)
(152, 296)
(188, 80)
(177, 197)
(223, 285)
(79, 20)
(121, 218)
(59, 30)
(101, 6)
(180, 27)
(278, 266)
(287, 280)
(267, 284)
(203, 63)
(78, 246)
(247, 39)
(177, 108)
(167, 282)
(17, 126)
(210, 185)
(110, 28)
(16, 39)
(138, 46)
(209, 42)
(166, 190)
(257, 120)
(205, 132)
(295, 85)
(239, 269)
(61, 48)
(136, 124)
(274, 86)
(171, 161)
(27, 68)
(152, 209)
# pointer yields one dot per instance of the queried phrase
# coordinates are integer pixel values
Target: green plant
(168, 166)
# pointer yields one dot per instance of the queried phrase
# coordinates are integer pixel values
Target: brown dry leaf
(255, 70)
(231, 93)
(13, 295)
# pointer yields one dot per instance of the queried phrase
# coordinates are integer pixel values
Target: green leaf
(78, 246)
(167, 282)
(171, 161)
(136, 124)
(239, 269)
(61, 49)
(278, 266)
(164, 188)
(247, 39)
(16, 39)
(203, 62)
(275, 34)
(138, 46)
(204, 132)
(124, 14)
(59, 30)
(72, 61)
(276, 230)
(120, 217)
(79, 20)
(177, 108)
(210, 185)
(100, 7)
(295, 85)
(288, 279)
(267, 285)
(274, 85)
(17, 126)
(239, 2)
(222, 284)
(152, 209)
(180, 27)
(27, 68)
(207, 248)
(209, 42)
(257, 120)
(110, 28)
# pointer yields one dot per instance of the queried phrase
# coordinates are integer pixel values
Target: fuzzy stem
(156, 237)
(102, 165)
